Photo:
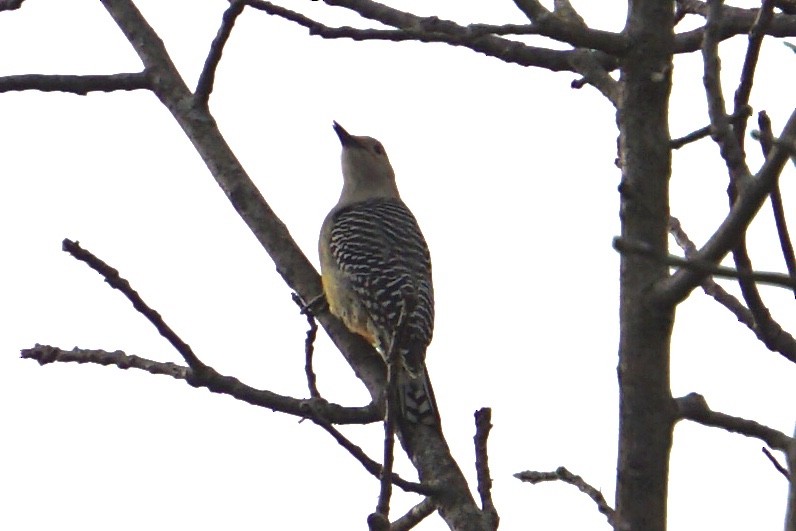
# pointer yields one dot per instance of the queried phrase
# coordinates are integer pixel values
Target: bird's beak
(345, 137)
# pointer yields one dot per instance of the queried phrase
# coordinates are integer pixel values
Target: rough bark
(646, 409)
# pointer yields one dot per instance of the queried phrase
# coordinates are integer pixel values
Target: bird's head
(367, 171)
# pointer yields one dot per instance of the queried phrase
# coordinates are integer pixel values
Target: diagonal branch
(676, 288)
(115, 281)
(699, 134)
(694, 407)
(766, 142)
(778, 340)
(206, 79)
(414, 516)
(562, 474)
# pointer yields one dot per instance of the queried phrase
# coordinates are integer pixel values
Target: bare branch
(781, 469)
(675, 288)
(432, 29)
(595, 74)
(562, 474)
(533, 9)
(699, 134)
(206, 79)
(709, 268)
(483, 425)
(415, 515)
(370, 465)
(766, 143)
(309, 345)
(80, 85)
(719, 121)
(744, 90)
(694, 407)
(775, 338)
(10, 5)
(115, 281)
(211, 380)
(734, 21)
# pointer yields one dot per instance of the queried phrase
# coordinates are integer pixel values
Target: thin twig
(206, 79)
(675, 288)
(562, 474)
(309, 345)
(80, 85)
(703, 132)
(709, 286)
(744, 90)
(694, 407)
(776, 339)
(483, 424)
(767, 143)
(763, 277)
(432, 29)
(369, 464)
(719, 121)
(112, 277)
(210, 380)
(781, 469)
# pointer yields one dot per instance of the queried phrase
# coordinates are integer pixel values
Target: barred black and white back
(382, 257)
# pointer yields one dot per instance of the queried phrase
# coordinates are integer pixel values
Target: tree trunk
(646, 408)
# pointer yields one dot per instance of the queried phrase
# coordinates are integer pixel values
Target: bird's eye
(378, 148)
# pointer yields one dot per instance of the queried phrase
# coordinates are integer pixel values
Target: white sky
(484, 151)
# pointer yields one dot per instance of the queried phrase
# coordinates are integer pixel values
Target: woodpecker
(376, 272)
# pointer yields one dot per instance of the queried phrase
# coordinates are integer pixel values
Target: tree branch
(699, 134)
(694, 407)
(562, 474)
(369, 464)
(766, 143)
(719, 121)
(80, 85)
(207, 77)
(779, 468)
(212, 381)
(734, 21)
(483, 425)
(115, 281)
(744, 90)
(415, 515)
(673, 289)
(432, 29)
(708, 268)
(778, 340)
(10, 5)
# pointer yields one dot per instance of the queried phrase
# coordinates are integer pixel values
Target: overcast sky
(511, 175)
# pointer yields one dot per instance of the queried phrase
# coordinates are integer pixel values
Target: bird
(376, 273)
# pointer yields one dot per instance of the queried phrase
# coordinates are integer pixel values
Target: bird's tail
(416, 401)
